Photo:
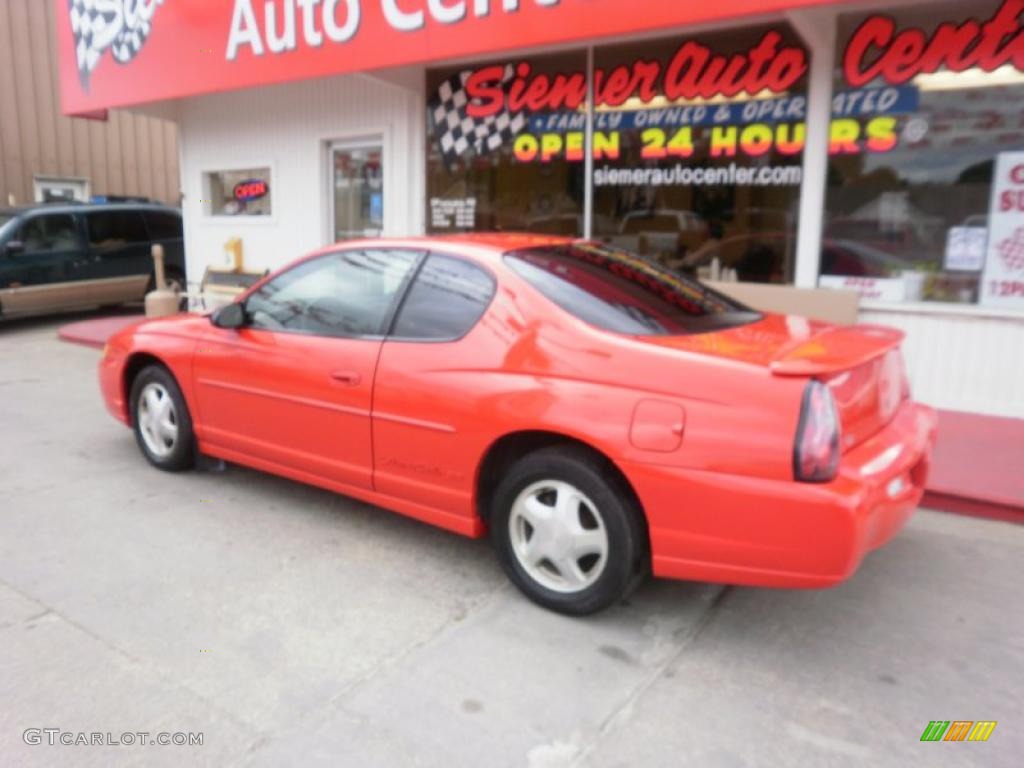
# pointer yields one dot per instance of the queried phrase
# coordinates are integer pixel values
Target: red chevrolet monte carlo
(599, 415)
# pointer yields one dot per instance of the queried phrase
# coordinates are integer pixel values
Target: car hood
(183, 324)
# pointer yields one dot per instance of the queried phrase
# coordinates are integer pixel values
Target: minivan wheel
(175, 281)
(161, 421)
(568, 536)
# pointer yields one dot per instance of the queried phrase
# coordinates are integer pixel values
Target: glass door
(357, 186)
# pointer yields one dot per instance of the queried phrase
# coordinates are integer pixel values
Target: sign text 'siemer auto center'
(874, 146)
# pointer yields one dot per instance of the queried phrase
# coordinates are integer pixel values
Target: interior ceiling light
(634, 103)
(969, 78)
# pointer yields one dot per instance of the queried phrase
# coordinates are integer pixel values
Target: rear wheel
(566, 532)
(160, 418)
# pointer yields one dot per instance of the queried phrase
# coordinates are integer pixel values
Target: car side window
(47, 234)
(116, 228)
(445, 301)
(347, 293)
(163, 226)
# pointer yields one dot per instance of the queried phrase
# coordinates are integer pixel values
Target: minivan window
(113, 228)
(445, 301)
(47, 234)
(163, 226)
(619, 291)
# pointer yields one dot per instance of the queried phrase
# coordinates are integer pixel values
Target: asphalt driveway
(291, 626)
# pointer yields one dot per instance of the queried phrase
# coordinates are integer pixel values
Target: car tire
(567, 532)
(161, 421)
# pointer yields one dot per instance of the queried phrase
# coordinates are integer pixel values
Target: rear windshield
(619, 291)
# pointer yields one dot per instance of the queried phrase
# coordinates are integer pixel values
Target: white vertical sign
(1002, 282)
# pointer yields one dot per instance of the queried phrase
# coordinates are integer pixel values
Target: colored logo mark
(958, 730)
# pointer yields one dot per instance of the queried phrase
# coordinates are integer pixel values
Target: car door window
(163, 226)
(347, 293)
(49, 234)
(445, 301)
(111, 229)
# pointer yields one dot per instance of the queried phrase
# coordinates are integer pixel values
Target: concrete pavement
(294, 627)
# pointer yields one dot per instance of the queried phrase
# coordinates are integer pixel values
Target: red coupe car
(600, 416)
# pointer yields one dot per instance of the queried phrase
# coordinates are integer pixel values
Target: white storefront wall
(288, 128)
(959, 358)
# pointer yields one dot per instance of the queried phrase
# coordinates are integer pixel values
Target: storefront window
(699, 144)
(926, 189)
(243, 192)
(478, 176)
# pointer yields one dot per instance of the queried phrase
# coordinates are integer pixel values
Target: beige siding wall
(129, 154)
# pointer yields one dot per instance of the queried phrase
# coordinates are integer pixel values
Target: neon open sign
(251, 189)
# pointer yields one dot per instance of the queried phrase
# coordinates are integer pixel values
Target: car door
(119, 251)
(429, 406)
(293, 388)
(43, 266)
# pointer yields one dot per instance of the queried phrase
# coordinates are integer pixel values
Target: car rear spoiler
(835, 349)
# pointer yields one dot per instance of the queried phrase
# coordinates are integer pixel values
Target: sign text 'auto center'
(338, 20)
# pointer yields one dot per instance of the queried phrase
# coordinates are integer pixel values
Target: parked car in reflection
(661, 232)
(56, 257)
(597, 415)
(763, 256)
(568, 224)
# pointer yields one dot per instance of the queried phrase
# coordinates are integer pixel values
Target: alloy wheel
(158, 420)
(558, 536)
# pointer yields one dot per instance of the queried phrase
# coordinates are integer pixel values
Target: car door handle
(348, 378)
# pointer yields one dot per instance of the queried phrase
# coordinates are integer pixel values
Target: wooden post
(160, 302)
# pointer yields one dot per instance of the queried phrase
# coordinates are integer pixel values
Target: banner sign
(867, 102)
(1002, 282)
(121, 52)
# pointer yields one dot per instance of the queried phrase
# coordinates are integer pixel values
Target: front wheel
(567, 533)
(160, 418)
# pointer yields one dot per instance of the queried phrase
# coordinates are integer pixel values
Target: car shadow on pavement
(35, 322)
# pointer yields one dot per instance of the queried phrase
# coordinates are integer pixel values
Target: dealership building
(871, 146)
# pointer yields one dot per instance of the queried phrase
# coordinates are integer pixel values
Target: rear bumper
(734, 529)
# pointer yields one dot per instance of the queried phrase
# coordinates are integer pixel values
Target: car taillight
(816, 453)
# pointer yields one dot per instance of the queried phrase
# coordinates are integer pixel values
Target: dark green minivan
(55, 257)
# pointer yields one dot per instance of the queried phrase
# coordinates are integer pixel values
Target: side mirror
(14, 248)
(230, 316)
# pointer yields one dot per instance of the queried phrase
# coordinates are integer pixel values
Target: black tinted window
(622, 292)
(163, 226)
(112, 228)
(46, 234)
(350, 293)
(446, 300)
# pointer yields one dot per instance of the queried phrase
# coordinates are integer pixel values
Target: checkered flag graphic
(1011, 250)
(457, 132)
(122, 26)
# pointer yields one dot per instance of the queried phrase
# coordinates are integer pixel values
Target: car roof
(477, 243)
(21, 210)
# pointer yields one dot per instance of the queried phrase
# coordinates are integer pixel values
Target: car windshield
(4, 218)
(619, 291)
